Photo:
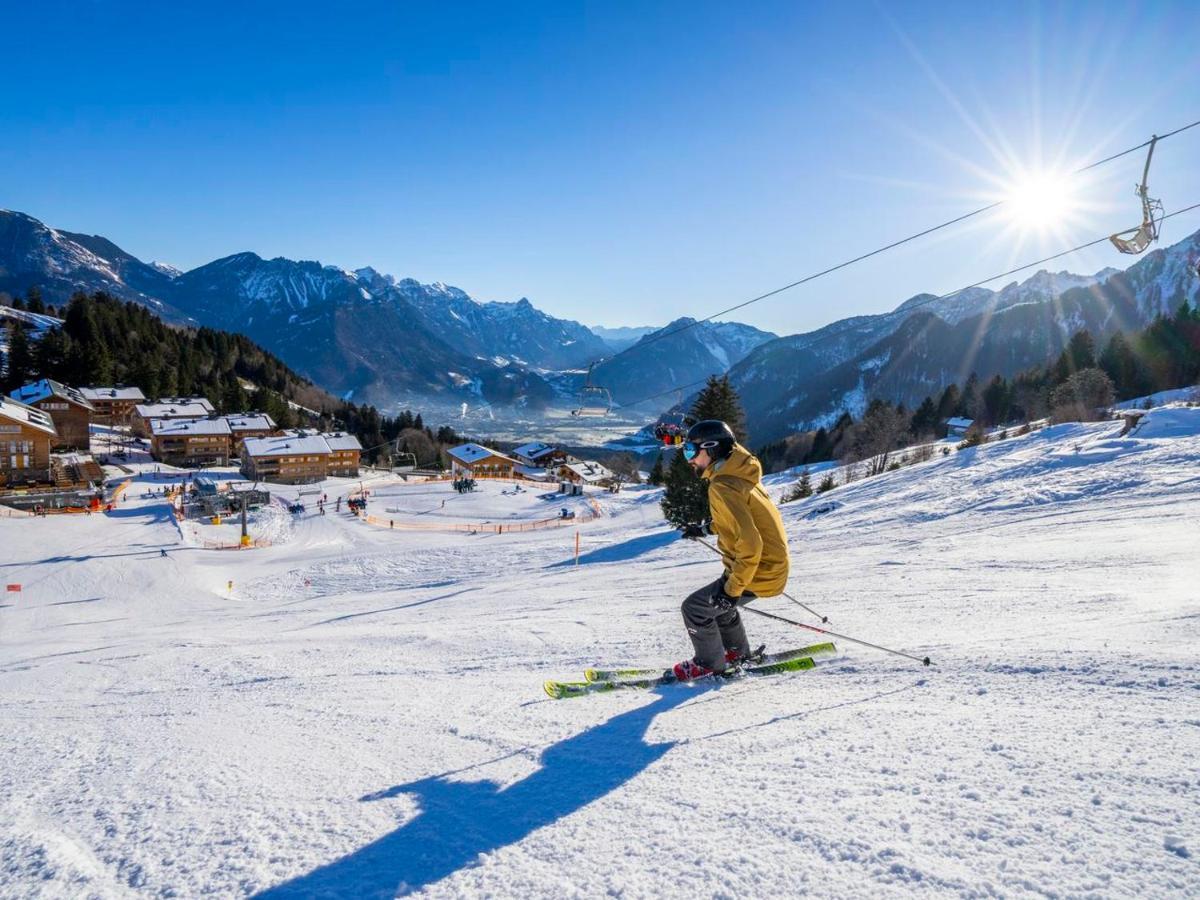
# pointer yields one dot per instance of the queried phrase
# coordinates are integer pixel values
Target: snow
(362, 714)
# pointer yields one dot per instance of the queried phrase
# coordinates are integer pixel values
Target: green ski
(815, 651)
(559, 690)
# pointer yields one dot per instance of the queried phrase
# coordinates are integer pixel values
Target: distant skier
(751, 539)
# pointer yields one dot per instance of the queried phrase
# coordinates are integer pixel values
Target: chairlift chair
(1136, 240)
(594, 401)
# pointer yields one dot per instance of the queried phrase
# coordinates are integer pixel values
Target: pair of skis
(599, 681)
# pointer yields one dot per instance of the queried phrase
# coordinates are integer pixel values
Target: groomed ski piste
(363, 715)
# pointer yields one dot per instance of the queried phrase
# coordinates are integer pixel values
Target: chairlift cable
(842, 265)
(930, 300)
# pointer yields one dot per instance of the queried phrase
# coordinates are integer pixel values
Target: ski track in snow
(363, 715)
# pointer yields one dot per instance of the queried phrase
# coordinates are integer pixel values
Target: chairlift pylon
(1136, 240)
(594, 401)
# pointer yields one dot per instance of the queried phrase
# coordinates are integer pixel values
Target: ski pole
(808, 609)
(842, 637)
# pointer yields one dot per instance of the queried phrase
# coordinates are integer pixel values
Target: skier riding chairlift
(1136, 240)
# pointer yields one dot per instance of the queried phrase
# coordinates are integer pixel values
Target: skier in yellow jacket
(752, 542)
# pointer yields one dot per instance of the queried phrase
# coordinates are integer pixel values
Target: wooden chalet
(191, 442)
(474, 460)
(171, 408)
(286, 459)
(68, 408)
(584, 472)
(26, 435)
(249, 425)
(113, 405)
(537, 455)
(345, 454)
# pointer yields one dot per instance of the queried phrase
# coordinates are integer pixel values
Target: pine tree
(50, 354)
(33, 300)
(718, 400)
(656, 473)
(20, 363)
(685, 498)
(924, 422)
(827, 483)
(800, 490)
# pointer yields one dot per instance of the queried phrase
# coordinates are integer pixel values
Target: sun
(1041, 202)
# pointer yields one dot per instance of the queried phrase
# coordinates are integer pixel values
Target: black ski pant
(714, 631)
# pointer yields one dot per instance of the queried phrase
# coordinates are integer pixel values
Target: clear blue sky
(617, 163)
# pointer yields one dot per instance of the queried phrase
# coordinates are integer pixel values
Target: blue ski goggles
(690, 449)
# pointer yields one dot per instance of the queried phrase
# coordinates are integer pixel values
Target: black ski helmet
(714, 436)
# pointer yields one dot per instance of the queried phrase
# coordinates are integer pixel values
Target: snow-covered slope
(362, 716)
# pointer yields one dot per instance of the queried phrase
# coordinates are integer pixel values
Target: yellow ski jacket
(748, 526)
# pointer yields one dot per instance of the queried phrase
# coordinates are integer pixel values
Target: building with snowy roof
(301, 456)
(345, 453)
(249, 425)
(113, 405)
(475, 460)
(538, 455)
(191, 442)
(585, 472)
(26, 435)
(958, 427)
(170, 408)
(70, 410)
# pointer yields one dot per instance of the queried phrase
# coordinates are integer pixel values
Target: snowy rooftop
(18, 412)
(177, 408)
(589, 472)
(339, 440)
(287, 445)
(533, 450)
(250, 422)
(958, 422)
(473, 453)
(47, 388)
(112, 393)
(182, 427)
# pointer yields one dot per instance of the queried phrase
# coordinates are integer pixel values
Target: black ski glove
(721, 600)
(696, 530)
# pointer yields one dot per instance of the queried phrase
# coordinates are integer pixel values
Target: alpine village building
(26, 435)
(475, 460)
(69, 409)
(191, 442)
(113, 405)
(301, 457)
(171, 408)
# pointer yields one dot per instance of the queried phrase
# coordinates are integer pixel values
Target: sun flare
(1040, 201)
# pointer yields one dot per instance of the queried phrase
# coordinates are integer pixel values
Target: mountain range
(807, 380)
(361, 334)
(398, 342)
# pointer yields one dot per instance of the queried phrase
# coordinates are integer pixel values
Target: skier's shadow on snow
(457, 821)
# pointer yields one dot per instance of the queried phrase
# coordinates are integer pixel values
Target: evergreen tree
(968, 403)
(20, 364)
(827, 483)
(800, 490)
(924, 423)
(822, 447)
(685, 498)
(33, 300)
(947, 406)
(50, 354)
(656, 473)
(996, 401)
(718, 400)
